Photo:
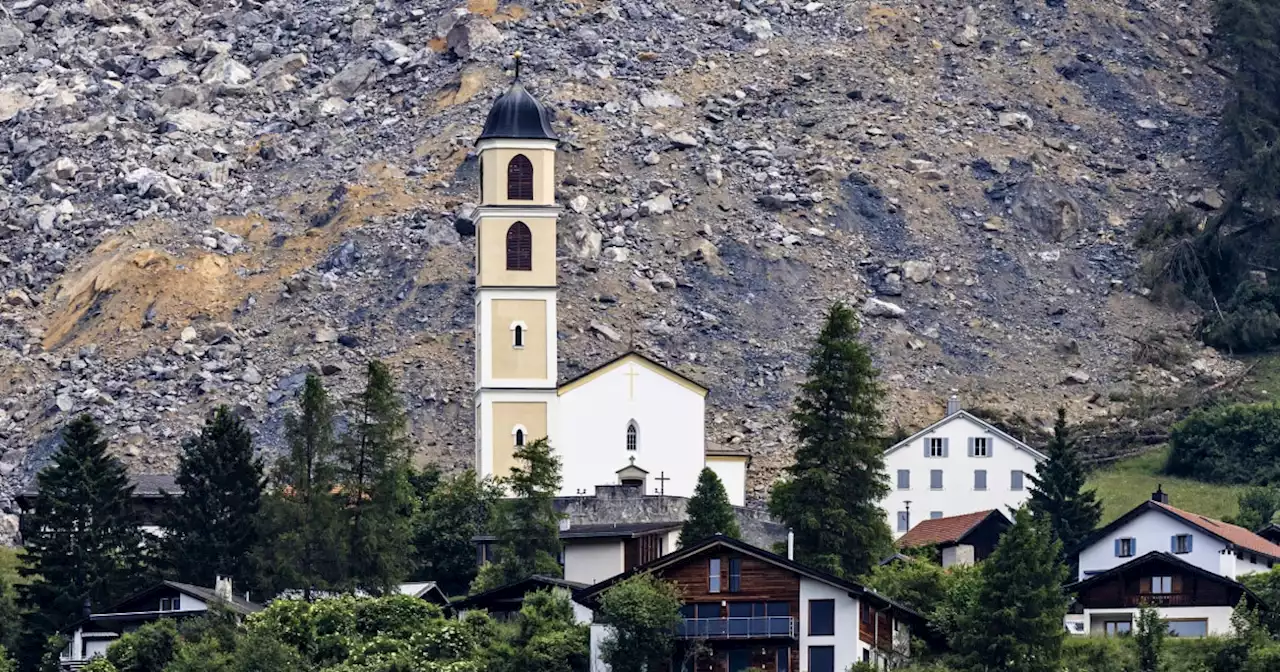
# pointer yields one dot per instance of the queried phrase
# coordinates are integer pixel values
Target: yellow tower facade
(516, 370)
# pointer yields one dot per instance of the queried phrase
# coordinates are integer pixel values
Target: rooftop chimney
(222, 588)
(953, 405)
(1159, 495)
(791, 544)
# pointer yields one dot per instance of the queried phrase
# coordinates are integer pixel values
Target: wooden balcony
(1161, 600)
(759, 627)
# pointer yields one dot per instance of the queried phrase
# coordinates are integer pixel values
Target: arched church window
(519, 248)
(633, 436)
(519, 433)
(520, 178)
(517, 335)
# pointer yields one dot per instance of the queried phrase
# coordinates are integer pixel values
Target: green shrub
(1099, 654)
(1227, 444)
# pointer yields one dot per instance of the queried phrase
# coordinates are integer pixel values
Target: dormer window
(520, 179)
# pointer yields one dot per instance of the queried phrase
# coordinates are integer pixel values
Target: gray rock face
(10, 39)
(11, 103)
(391, 51)
(225, 70)
(659, 99)
(350, 79)
(658, 205)
(918, 271)
(470, 34)
(1046, 208)
(755, 30)
(880, 308)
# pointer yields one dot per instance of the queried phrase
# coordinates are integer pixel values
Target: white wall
(957, 496)
(845, 641)
(1219, 618)
(592, 562)
(1152, 531)
(598, 635)
(733, 474)
(592, 438)
(97, 647)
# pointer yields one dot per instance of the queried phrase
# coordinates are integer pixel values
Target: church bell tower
(515, 334)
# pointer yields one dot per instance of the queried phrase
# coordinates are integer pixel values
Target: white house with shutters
(959, 464)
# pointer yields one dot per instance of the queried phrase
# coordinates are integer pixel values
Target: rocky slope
(203, 201)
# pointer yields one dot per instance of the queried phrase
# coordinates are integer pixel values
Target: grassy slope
(1127, 483)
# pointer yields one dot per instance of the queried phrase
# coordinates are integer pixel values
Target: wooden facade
(1144, 585)
(757, 582)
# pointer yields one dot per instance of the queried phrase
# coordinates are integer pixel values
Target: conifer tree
(302, 544)
(83, 540)
(709, 511)
(526, 524)
(1014, 621)
(1058, 493)
(212, 524)
(831, 496)
(374, 463)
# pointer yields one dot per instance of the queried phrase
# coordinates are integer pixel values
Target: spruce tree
(526, 524)
(212, 524)
(302, 543)
(1014, 621)
(83, 540)
(709, 511)
(374, 464)
(1057, 490)
(831, 495)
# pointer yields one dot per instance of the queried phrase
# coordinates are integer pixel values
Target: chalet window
(633, 436)
(520, 179)
(980, 447)
(979, 479)
(822, 618)
(903, 521)
(1015, 480)
(738, 660)
(1189, 628)
(1181, 543)
(822, 659)
(935, 447)
(735, 574)
(713, 575)
(171, 603)
(1114, 628)
(934, 515)
(935, 479)
(1161, 585)
(784, 660)
(517, 337)
(519, 247)
(904, 479)
(1125, 548)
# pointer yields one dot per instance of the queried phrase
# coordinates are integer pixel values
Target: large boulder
(470, 34)
(1046, 208)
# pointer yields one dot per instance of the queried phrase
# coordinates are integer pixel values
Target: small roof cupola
(517, 115)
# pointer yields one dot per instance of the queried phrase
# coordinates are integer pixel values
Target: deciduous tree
(642, 613)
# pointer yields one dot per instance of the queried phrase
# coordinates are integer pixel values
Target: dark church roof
(517, 115)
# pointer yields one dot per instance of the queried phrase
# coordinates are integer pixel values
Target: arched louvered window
(633, 436)
(519, 248)
(520, 178)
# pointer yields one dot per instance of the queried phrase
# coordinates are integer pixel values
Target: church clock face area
(629, 421)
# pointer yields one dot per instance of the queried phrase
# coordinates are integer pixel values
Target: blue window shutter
(926, 446)
(1189, 538)
(1173, 544)
(971, 446)
(1117, 548)
(991, 446)
(946, 447)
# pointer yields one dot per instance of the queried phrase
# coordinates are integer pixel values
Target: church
(630, 420)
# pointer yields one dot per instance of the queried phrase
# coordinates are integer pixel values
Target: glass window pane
(713, 575)
(1198, 628)
(784, 660)
(735, 574)
(779, 609)
(822, 617)
(822, 659)
(708, 610)
(739, 660)
(740, 610)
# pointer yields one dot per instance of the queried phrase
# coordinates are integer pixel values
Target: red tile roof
(942, 530)
(1233, 534)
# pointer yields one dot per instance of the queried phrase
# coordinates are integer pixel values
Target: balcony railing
(738, 628)
(1161, 600)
